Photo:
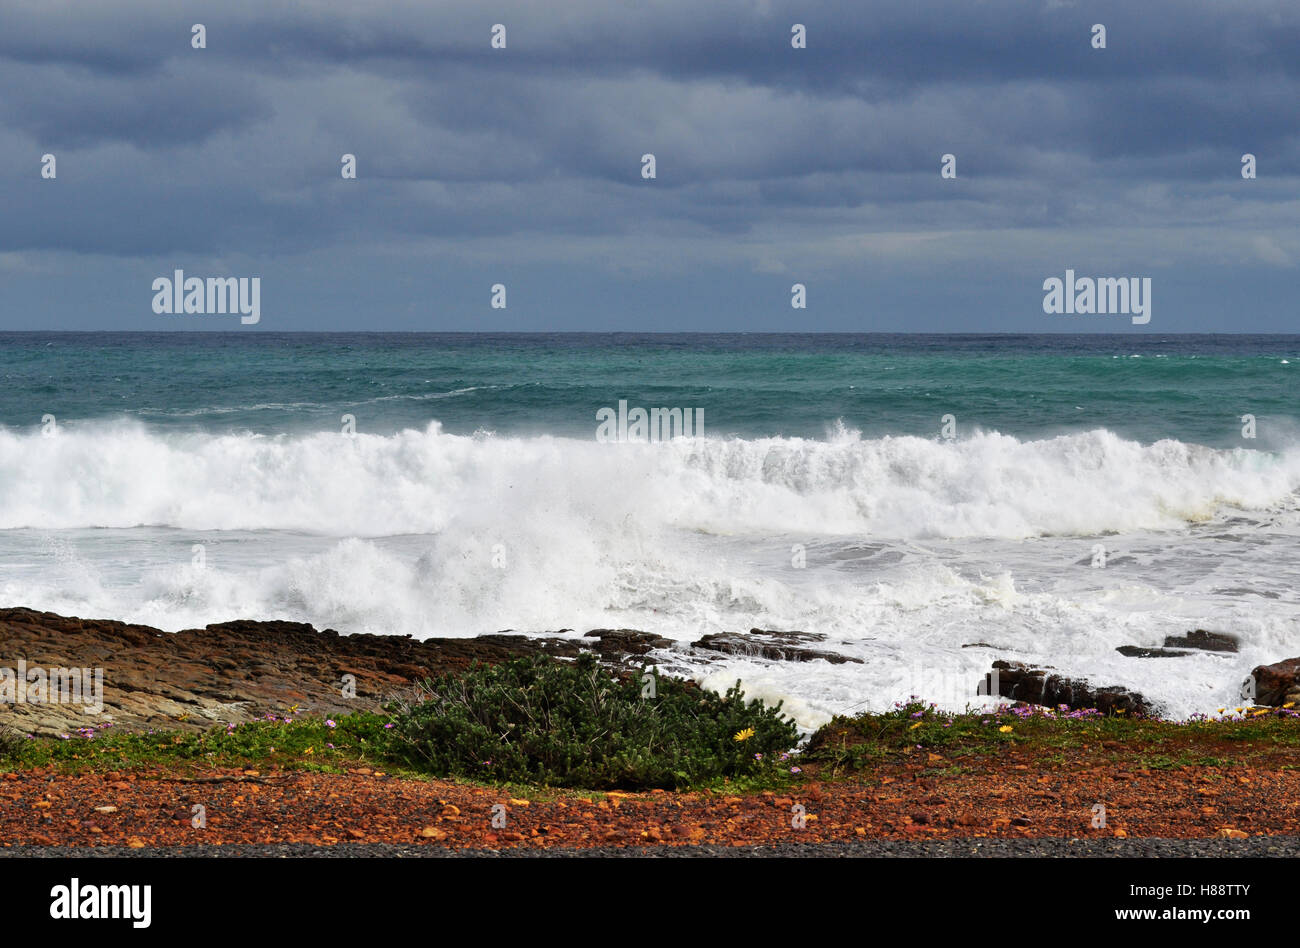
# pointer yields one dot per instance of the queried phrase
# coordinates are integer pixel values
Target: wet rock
(1177, 646)
(499, 647)
(1277, 684)
(1206, 641)
(772, 645)
(1020, 682)
(1138, 651)
(620, 644)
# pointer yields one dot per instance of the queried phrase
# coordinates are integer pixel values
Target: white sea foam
(914, 548)
(989, 485)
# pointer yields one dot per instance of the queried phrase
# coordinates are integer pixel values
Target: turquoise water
(1190, 388)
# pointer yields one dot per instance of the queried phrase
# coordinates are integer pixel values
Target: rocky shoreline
(232, 672)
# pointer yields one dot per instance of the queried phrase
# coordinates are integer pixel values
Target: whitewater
(922, 557)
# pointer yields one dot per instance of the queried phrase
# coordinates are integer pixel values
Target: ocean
(926, 502)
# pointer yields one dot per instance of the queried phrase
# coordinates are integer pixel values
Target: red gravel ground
(924, 797)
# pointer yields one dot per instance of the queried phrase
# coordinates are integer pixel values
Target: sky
(774, 165)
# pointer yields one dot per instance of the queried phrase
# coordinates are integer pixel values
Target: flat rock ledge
(232, 672)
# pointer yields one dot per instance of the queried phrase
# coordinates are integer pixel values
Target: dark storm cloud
(768, 157)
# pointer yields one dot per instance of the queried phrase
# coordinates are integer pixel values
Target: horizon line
(628, 332)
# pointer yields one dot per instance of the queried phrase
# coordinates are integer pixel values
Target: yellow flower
(915, 726)
(744, 735)
(1005, 729)
(1289, 704)
(1221, 710)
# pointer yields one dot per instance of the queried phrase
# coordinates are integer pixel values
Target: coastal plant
(576, 724)
(855, 743)
(12, 742)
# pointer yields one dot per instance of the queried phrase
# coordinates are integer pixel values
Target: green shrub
(576, 725)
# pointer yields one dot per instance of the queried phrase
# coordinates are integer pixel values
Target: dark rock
(1020, 682)
(1179, 645)
(621, 643)
(1139, 651)
(1206, 641)
(1277, 684)
(772, 645)
(496, 647)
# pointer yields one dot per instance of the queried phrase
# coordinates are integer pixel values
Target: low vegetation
(850, 744)
(531, 721)
(283, 739)
(577, 725)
